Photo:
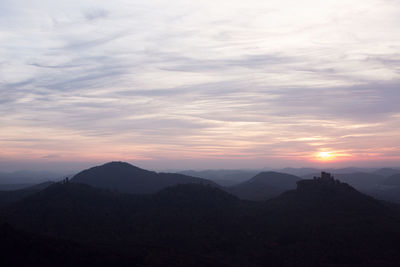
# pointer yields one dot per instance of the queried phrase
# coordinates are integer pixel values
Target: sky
(199, 84)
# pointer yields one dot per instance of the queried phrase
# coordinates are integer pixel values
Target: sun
(325, 156)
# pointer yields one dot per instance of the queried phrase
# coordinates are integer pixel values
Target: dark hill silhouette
(126, 178)
(321, 222)
(264, 185)
(192, 196)
(7, 197)
(185, 220)
(61, 209)
(223, 177)
(65, 209)
(326, 216)
(19, 248)
(327, 195)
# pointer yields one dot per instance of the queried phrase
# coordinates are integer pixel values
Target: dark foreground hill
(184, 224)
(126, 178)
(321, 222)
(19, 248)
(264, 185)
(7, 197)
(330, 218)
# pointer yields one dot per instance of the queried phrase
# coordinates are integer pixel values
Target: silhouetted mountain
(326, 195)
(387, 172)
(264, 185)
(362, 181)
(18, 248)
(223, 177)
(66, 209)
(127, 178)
(324, 218)
(322, 222)
(7, 197)
(182, 221)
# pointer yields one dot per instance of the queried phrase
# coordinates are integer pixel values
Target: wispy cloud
(264, 82)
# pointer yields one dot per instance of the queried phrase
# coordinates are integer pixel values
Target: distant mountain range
(28, 177)
(388, 189)
(386, 172)
(246, 184)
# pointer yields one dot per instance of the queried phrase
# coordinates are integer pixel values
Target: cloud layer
(254, 83)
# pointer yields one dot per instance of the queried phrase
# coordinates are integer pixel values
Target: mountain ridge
(264, 185)
(127, 178)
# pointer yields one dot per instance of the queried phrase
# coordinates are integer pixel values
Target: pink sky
(213, 84)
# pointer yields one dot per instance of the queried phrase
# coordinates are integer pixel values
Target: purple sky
(199, 84)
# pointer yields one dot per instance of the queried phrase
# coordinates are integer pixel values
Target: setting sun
(324, 155)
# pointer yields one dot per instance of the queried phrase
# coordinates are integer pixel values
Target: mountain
(264, 185)
(20, 248)
(7, 197)
(393, 180)
(28, 177)
(183, 225)
(223, 177)
(388, 189)
(321, 222)
(330, 220)
(126, 178)
(65, 208)
(326, 195)
(298, 171)
(79, 211)
(387, 172)
(362, 181)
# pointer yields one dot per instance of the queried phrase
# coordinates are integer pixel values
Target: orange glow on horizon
(325, 156)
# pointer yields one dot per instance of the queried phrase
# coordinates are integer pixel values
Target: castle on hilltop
(326, 180)
(325, 176)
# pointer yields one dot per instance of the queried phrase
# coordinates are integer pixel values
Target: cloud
(95, 13)
(258, 79)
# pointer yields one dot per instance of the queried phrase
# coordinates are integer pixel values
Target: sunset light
(325, 156)
(215, 132)
(218, 84)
